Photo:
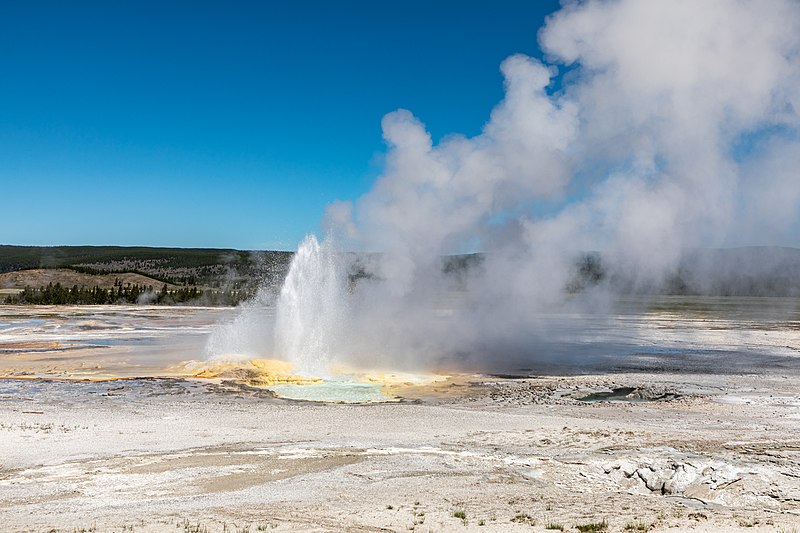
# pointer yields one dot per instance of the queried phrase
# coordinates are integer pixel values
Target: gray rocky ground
(719, 452)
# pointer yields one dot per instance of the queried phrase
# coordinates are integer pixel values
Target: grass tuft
(524, 518)
(191, 528)
(591, 527)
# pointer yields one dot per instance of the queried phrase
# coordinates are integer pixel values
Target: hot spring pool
(333, 391)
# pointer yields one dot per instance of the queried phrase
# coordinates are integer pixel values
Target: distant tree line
(56, 294)
(220, 269)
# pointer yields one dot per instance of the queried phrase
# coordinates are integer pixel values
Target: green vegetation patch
(591, 527)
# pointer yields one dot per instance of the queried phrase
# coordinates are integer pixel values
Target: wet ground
(675, 334)
(96, 342)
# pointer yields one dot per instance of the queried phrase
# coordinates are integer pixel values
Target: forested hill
(209, 267)
(747, 271)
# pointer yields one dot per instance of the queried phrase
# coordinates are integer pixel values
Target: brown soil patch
(40, 277)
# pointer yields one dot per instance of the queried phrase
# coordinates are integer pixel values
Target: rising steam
(674, 127)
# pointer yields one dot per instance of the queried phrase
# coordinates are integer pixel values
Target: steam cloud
(674, 126)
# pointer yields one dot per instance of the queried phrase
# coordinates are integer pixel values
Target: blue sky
(227, 124)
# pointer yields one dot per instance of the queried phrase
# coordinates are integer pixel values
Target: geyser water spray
(310, 309)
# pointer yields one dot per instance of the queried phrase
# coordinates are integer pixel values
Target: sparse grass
(460, 515)
(524, 518)
(591, 527)
(188, 527)
(637, 526)
(554, 525)
(419, 516)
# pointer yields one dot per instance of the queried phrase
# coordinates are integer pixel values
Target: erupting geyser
(309, 313)
(669, 133)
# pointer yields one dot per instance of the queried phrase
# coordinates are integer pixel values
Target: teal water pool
(333, 391)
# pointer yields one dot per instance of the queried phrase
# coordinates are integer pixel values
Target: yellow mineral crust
(387, 378)
(30, 345)
(262, 372)
(250, 371)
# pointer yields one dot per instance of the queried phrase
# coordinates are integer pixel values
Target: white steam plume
(674, 127)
